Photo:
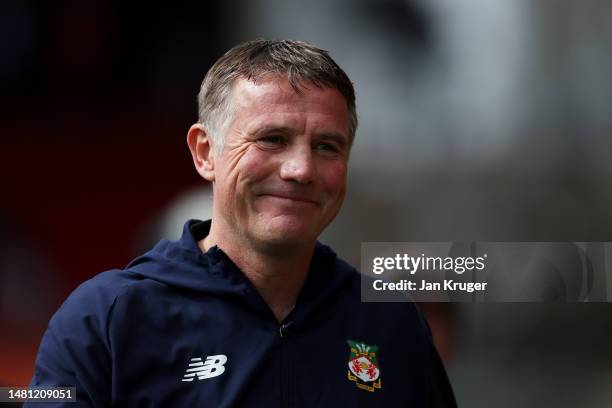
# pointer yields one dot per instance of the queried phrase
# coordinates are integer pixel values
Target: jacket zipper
(283, 331)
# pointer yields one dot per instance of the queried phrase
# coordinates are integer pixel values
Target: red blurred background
(96, 103)
(480, 120)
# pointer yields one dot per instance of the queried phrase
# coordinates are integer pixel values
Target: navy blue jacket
(179, 327)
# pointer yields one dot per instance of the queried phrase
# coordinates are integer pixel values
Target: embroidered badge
(363, 366)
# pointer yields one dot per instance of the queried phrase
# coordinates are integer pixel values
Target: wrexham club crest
(363, 366)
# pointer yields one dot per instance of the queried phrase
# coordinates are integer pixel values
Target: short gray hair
(299, 61)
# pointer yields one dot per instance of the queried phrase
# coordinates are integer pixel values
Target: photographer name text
(446, 285)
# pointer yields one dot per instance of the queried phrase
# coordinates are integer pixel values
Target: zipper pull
(283, 330)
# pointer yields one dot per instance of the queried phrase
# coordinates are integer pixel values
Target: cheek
(335, 179)
(254, 166)
(249, 173)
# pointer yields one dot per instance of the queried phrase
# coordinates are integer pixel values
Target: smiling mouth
(291, 198)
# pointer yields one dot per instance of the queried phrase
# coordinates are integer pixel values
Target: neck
(278, 275)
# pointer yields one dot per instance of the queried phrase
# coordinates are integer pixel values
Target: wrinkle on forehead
(276, 97)
(271, 89)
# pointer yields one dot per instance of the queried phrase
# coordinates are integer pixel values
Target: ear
(201, 148)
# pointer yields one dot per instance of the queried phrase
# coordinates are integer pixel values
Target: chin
(281, 231)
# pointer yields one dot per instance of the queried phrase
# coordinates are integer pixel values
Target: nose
(298, 165)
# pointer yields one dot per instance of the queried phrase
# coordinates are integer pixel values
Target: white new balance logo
(212, 367)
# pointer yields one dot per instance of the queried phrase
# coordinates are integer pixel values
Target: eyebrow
(272, 129)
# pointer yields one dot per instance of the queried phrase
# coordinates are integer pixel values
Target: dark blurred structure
(96, 97)
(479, 120)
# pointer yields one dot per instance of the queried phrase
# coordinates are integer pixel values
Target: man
(248, 309)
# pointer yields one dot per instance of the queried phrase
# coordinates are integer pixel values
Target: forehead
(274, 97)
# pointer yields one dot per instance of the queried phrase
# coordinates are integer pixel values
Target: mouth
(291, 198)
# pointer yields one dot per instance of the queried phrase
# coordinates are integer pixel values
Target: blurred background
(480, 120)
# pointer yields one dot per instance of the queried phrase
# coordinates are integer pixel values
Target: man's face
(281, 177)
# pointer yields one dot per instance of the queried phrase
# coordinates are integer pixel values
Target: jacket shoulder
(75, 349)
(398, 306)
(95, 296)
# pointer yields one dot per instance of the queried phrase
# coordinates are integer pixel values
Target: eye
(271, 141)
(326, 148)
